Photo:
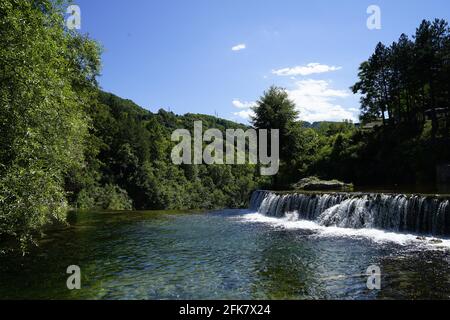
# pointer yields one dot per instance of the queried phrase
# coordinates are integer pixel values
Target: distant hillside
(168, 119)
(171, 120)
(318, 124)
(129, 163)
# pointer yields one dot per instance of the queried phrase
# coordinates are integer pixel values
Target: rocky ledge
(316, 184)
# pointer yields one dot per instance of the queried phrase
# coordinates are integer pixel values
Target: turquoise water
(220, 255)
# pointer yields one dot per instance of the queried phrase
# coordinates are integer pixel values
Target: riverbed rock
(316, 184)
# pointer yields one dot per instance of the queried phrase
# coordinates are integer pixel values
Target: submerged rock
(316, 184)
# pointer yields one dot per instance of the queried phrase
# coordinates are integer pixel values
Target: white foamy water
(396, 213)
(291, 222)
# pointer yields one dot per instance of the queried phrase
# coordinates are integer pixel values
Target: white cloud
(239, 47)
(315, 101)
(245, 114)
(243, 104)
(311, 68)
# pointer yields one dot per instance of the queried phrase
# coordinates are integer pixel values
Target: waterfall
(425, 215)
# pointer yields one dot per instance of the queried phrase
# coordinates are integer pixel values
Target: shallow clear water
(222, 255)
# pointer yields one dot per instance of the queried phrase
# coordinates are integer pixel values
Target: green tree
(46, 76)
(274, 110)
(408, 81)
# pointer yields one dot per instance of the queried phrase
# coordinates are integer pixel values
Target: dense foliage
(408, 82)
(405, 131)
(46, 80)
(134, 148)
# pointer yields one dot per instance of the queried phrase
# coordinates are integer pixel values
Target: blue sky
(179, 55)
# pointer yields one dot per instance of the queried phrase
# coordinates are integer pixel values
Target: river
(229, 254)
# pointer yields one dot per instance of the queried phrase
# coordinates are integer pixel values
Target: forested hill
(170, 120)
(129, 164)
(318, 125)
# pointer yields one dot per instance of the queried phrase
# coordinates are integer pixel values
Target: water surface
(222, 255)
